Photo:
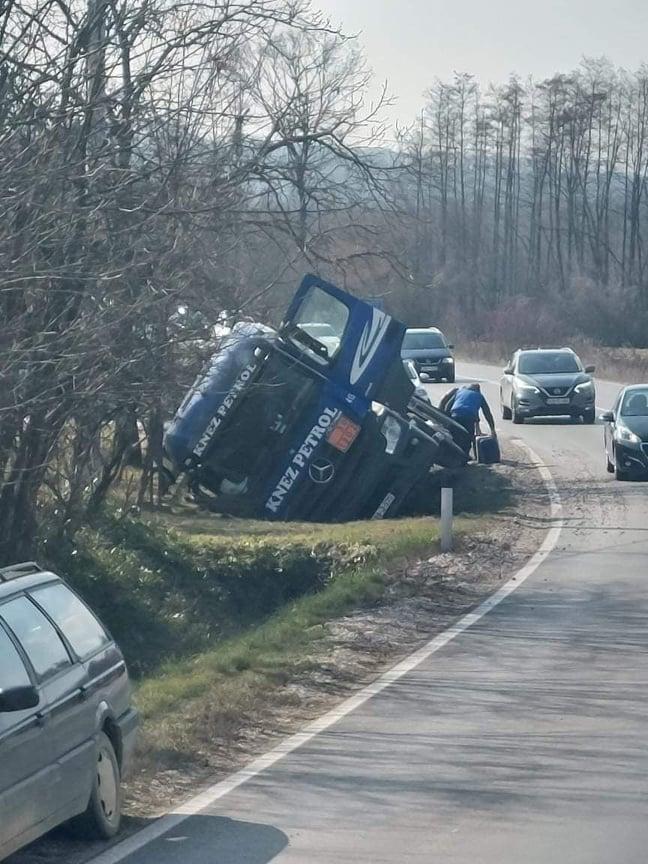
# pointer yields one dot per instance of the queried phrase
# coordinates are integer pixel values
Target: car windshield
(548, 363)
(635, 403)
(421, 341)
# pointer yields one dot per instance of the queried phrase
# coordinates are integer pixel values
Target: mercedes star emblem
(321, 471)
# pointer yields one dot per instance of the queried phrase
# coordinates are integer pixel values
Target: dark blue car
(316, 421)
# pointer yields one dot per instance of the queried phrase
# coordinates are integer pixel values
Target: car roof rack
(16, 570)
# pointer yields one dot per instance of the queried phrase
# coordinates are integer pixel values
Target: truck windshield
(319, 325)
(421, 341)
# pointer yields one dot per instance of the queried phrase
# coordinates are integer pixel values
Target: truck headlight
(391, 430)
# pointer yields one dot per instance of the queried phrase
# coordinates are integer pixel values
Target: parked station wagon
(67, 726)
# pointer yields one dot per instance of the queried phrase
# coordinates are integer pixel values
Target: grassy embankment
(211, 610)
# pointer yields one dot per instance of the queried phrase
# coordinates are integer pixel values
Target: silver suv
(67, 726)
(547, 382)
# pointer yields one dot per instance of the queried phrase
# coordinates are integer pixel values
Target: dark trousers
(468, 424)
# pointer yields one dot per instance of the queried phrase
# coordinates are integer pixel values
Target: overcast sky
(411, 42)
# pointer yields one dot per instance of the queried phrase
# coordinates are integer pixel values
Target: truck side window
(324, 318)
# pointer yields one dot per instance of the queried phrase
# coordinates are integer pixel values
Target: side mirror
(451, 347)
(18, 699)
(607, 416)
(590, 369)
(508, 370)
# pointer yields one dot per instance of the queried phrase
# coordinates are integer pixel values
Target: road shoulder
(421, 599)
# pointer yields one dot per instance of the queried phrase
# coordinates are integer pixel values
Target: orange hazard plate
(343, 434)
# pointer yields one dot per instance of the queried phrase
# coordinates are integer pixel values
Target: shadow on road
(215, 840)
(200, 839)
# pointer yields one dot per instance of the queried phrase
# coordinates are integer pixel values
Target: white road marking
(219, 790)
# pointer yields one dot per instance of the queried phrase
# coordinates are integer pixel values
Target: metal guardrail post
(446, 518)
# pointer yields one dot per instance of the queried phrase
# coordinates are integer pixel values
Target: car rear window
(39, 639)
(79, 626)
(546, 363)
(421, 341)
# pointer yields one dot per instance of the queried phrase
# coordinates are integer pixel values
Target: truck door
(356, 344)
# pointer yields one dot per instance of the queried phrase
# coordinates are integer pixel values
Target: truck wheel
(102, 818)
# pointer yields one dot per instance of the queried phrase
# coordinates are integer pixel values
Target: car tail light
(343, 434)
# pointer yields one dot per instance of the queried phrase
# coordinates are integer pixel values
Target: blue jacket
(468, 403)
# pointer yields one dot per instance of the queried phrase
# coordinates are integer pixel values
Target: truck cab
(312, 421)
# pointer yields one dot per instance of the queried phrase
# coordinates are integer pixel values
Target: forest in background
(162, 162)
(528, 205)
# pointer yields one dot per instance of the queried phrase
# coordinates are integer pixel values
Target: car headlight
(447, 360)
(624, 434)
(391, 430)
(527, 388)
(585, 387)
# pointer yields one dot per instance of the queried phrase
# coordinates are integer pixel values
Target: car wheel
(518, 419)
(451, 378)
(619, 473)
(609, 467)
(506, 412)
(589, 416)
(102, 818)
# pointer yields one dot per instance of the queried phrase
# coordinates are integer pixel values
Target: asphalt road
(524, 741)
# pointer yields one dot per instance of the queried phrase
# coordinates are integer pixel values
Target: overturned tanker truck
(315, 421)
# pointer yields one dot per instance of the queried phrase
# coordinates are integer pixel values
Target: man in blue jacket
(464, 405)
